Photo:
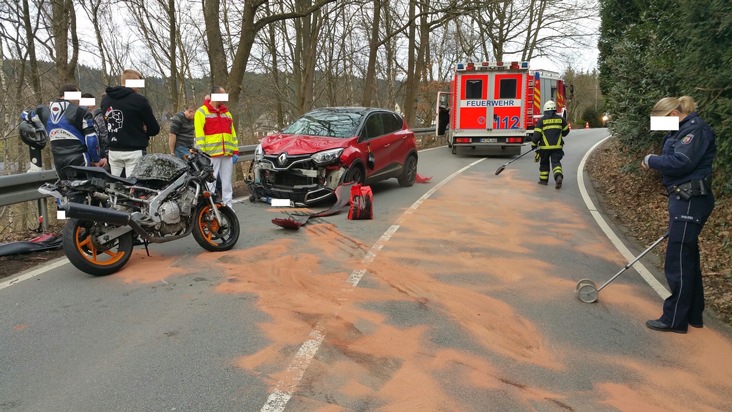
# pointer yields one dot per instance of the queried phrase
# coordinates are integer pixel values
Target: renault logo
(282, 159)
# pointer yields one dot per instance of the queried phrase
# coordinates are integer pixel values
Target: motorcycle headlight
(327, 156)
(258, 153)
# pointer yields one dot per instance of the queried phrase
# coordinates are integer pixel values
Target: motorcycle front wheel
(86, 248)
(212, 234)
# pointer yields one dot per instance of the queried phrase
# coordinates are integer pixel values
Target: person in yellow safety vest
(548, 143)
(215, 136)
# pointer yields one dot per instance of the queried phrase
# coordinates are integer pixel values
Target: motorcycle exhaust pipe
(97, 214)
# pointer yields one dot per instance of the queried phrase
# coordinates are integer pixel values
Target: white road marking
(282, 393)
(35, 272)
(62, 261)
(638, 266)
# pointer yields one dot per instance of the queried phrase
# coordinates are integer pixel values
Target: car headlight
(258, 153)
(327, 156)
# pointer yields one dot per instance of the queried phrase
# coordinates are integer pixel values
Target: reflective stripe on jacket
(549, 131)
(215, 134)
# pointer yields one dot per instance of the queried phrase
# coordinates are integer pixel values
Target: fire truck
(495, 105)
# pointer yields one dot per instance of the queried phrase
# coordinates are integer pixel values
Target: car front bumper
(306, 186)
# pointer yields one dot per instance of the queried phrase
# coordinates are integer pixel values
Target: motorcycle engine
(170, 212)
(174, 212)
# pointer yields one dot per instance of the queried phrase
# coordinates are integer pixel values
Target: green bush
(650, 49)
(592, 116)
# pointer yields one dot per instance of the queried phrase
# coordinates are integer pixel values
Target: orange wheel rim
(208, 228)
(87, 249)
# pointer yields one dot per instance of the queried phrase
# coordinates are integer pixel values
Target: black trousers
(553, 156)
(682, 266)
(61, 161)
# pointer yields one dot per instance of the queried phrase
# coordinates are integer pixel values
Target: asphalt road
(459, 295)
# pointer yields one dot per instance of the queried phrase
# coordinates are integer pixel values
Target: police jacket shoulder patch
(687, 139)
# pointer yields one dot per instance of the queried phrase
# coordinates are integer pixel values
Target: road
(459, 295)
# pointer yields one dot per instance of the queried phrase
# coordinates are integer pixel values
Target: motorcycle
(165, 199)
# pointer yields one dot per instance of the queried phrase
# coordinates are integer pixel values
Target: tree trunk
(410, 95)
(216, 55)
(279, 110)
(35, 77)
(370, 80)
(63, 21)
(172, 37)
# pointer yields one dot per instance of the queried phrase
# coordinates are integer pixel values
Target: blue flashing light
(460, 66)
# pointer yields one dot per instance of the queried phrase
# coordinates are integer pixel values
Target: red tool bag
(361, 202)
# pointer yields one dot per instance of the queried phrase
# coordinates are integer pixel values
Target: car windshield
(326, 123)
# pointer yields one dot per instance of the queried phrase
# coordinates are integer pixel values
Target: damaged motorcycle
(165, 198)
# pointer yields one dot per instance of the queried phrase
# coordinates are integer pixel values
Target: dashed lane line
(277, 400)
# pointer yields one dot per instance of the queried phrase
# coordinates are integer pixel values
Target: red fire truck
(495, 105)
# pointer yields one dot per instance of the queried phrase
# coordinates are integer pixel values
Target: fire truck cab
(495, 105)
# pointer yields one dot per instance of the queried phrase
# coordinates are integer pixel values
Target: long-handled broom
(503, 166)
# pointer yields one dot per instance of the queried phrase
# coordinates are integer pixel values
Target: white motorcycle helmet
(550, 105)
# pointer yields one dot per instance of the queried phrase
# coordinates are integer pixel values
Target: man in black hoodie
(130, 124)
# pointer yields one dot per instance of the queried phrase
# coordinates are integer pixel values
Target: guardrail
(24, 187)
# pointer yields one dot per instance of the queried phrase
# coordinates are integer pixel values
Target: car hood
(296, 144)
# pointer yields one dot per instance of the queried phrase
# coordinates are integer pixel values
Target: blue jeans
(181, 151)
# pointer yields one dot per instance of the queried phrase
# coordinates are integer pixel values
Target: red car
(330, 146)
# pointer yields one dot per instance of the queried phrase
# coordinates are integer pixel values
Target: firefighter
(548, 142)
(685, 164)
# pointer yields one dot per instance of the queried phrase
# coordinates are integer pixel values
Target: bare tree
(532, 28)
(374, 43)
(98, 11)
(63, 24)
(251, 24)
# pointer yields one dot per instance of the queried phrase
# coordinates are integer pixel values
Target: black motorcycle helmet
(35, 137)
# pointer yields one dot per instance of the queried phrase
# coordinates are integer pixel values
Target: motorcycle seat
(94, 171)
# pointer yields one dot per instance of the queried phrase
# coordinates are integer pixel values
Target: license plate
(489, 140)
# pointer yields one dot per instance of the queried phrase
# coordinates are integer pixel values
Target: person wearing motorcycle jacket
(685, 164)
(215, 136)
(71, 132)
(547, 138)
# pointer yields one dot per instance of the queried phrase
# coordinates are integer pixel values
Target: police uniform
(686, 168)
(548, 134)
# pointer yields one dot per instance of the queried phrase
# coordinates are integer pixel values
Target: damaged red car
(330, 146)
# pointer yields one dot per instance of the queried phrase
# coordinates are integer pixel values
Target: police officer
(547, 138)
(685, 164)
(71, 133)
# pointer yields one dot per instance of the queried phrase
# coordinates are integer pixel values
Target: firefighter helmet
(35, 137)
(550, 105)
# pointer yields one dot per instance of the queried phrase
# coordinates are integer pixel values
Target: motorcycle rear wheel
(88, 253)
(213, 235)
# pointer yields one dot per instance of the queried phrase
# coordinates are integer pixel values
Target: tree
(63, 24)
(251, 24)
(642, 60)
